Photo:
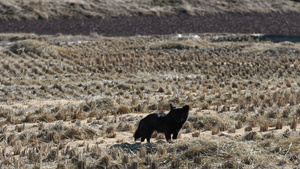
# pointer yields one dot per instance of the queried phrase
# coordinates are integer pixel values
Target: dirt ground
(150, 17)
(285, 24)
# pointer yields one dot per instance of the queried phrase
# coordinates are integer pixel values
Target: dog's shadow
(134, 147)
(127, 147)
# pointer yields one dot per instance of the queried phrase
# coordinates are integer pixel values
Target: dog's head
(180, 114)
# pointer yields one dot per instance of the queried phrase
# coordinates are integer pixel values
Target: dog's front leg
(175, 135)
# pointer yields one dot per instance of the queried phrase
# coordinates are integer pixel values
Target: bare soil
(286, 24)
(150, 17)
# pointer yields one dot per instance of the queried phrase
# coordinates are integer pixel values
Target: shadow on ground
(133, 148)
(279, 38)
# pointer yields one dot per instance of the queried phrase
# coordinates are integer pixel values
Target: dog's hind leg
(175, 135)
(168, 136)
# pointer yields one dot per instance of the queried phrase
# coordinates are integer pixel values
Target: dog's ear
(186, 107)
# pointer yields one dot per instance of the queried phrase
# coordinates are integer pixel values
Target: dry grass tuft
(215, 130)
(111, 132)
(125, 159)
(252, 135)
(279, 124)
(46, 118)
(74, 133)
(239, 125)
(264, 128)
(232, 130)
(293, 125)
(224, 127)
(249, 128)
(142, 152)
(123, 110)
(196, 134)
(208, 147)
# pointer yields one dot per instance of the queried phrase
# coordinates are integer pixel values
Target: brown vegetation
(76, 101)
(51, 9)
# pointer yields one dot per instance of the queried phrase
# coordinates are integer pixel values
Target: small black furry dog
(168, 124)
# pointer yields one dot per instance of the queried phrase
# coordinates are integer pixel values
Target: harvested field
(77, 76)
(75, 101)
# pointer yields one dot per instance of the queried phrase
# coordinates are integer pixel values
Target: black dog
(168, 124)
